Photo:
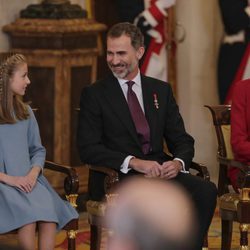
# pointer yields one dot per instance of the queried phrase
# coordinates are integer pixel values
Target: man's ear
(140, 52)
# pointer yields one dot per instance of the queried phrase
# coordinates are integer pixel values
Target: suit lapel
(118, 103)
(149, 107)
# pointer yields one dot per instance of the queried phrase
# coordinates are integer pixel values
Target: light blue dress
(20, 149)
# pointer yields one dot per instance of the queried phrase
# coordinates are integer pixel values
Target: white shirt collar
(136, 88)
(137, 80)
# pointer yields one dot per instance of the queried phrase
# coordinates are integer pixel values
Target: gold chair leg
(244, 237)
(244, 248)
(71, 198)
(71, 234)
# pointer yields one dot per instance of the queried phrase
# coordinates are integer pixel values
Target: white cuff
(183, 165)
(125, 165)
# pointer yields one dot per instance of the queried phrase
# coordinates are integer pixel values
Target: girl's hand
(32, 176)
(24, 183)
(20, 182)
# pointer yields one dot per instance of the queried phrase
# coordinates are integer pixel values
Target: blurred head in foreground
(151, 214)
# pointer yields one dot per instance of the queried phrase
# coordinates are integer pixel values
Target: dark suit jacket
(107, 135)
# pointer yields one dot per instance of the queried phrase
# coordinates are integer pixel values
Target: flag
(150, 16)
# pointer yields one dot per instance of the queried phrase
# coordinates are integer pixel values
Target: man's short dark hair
(129, 29)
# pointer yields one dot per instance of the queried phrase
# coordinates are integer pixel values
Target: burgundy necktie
(139, 118)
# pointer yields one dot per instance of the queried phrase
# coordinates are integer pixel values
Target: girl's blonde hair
(12, 108)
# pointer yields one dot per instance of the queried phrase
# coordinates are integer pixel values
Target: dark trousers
(204, 196)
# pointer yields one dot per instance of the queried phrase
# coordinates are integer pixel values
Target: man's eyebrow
(117, 52)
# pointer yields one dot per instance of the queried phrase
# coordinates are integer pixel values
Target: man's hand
(167, 170)
(170, 169)
(149, 168)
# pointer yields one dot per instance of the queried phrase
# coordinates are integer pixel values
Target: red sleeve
(240, 112)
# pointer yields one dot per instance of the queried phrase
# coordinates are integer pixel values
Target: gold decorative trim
(111, 199)
(244, 227)
(72, 234)
(244, 194)
(229, 201)
(88, 6)
(72, 199)
(244, 248)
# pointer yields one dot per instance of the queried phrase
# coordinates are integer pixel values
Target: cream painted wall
(9, 12)
(196, 74)
(196, 67)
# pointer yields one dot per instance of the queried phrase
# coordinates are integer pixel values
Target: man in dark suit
(109, 135)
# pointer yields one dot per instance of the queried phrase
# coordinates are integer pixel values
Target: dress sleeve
(36, 150)
(1, 159)
(239, 134)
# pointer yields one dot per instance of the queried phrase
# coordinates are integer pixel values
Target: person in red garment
(240, 127)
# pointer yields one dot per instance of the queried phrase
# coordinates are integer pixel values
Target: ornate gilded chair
(71, 186)
(233, 206)
(96, 209)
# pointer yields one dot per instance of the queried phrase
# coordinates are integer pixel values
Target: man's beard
(127, 69)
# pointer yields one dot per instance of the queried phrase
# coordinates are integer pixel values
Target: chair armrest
(201, 169)
(231, 162)
(244, 176)
(71, 181)
(111, 176)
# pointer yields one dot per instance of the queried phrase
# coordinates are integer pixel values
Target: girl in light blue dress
(27, 201)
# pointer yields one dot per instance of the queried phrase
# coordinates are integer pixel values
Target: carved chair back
(221, 122)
